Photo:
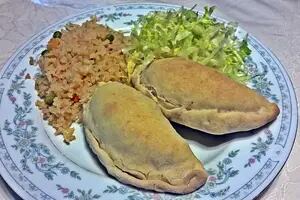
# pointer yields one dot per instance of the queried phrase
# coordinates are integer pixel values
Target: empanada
(137, 144)
(203, 98)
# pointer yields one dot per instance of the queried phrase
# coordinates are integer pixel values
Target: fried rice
(76, 59)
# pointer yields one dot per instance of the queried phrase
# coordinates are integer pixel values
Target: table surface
(276, 23)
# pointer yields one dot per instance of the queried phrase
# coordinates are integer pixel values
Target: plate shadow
(210, 140)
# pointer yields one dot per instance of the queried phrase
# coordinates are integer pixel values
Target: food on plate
(80, 56)
(76, 59)
(137, 144)
(203, 98)
(185, 33)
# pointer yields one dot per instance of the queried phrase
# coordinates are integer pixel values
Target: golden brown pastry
(137, 144)
(202, 98)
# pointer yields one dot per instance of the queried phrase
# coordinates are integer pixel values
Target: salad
(186, 33)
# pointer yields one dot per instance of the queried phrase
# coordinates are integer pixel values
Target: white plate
(38, 165)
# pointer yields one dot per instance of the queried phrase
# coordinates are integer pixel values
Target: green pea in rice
(72, 65)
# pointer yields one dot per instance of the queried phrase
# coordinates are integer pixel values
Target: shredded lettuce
(185, 33)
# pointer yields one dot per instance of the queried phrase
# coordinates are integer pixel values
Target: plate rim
(24, 194)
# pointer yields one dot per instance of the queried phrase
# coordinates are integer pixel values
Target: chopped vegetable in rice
(76, 59)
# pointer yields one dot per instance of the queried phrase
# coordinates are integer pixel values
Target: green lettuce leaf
(185, 33)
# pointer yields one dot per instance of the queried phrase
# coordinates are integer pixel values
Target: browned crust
(197, 178)
(216, 119)
(146, 168)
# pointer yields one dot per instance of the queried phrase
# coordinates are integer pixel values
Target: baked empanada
(203, 98)
(137, 144)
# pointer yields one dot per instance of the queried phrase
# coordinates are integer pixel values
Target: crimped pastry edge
(198, 177)
(238, 121)
(156, 185)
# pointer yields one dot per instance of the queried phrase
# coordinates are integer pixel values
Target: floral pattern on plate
(24, 132)
(35, 169)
